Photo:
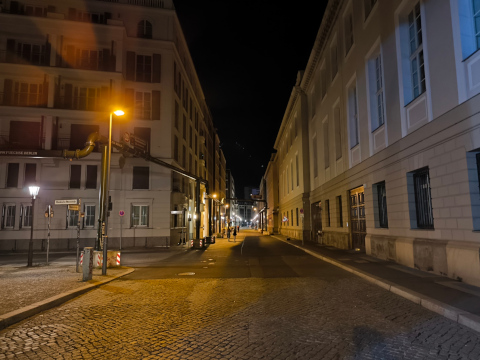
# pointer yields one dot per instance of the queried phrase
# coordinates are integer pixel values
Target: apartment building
(63, 66)
(389, 101)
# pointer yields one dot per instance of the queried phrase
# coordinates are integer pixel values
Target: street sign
(301, 211)
(121, 213)
(66, 202)
(176, 212)
(74, 207)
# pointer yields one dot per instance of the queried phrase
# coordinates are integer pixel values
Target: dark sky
(247, 55)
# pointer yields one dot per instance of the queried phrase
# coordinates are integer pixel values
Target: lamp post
(33, 192)
(107, 190)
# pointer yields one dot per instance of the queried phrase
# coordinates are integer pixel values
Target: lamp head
(34, 190)
(119, 112)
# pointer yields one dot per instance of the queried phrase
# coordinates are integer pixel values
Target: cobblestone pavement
(244, 318)
(249, 318)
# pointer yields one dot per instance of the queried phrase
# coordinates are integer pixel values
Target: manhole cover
(186, 273)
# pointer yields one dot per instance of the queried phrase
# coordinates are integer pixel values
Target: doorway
(357, 218)
(317, 222)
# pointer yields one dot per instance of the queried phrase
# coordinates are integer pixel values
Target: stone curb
(15, 316)
(465, 318)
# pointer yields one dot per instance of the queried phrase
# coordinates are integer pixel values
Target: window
(72, 219)
(26, 216)
(8, 216)
(291, 213)
(368, 5)
(143, 105)
(79, 134)
(323, 82)
(381, 217)
(314, 157)
(326, 145)
(297, 215)
(288, 182)
(89, 215)
(420, 199)
(176, 115)
(338, 133)
(91, 180)
(348, 29)
(75, 174)
(312, 104)
(175, 148)
(469, 16)
(140, 215)
(30, 174)
(291, 173)
(377, 105)
(298, 170)
(144, 29)
(327, 212)
(353, 116)
(12, 175)
(184, 127)
(141, 176)
(184, 157)
(144, 68)
(417, 67)
(334, 58)
(340, 211)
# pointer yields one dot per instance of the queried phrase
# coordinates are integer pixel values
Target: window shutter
(67, 101)
(21, 217)
(3, 216)
(48, 50)
(72, 14)
(70, 56)
(45, 92)
(10, 50)
(130, 66)
(105, 66)
(107, 16)
(157, 68)
(129, 102)
(104, 97)
(7, 92)
(155, 105)
(14, 7)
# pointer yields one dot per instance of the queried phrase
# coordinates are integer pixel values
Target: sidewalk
(26, 291)
(453, 299)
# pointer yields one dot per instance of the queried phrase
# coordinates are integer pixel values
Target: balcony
(31, 141)
(23, 99)
(38, 55)
(86, 103)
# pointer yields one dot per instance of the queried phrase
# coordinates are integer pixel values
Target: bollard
(87, 263)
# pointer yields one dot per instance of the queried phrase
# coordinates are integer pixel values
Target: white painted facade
(62, 64)
(391, 91)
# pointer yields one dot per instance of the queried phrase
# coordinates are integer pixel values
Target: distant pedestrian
(228, 233)
(234, 234)
(238, 228)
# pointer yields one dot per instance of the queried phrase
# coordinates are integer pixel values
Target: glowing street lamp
(33, 193)
(117, 112)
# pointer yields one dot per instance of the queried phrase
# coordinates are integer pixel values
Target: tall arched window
(144, 29)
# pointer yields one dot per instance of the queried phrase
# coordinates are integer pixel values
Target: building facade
(63, 66)
(389, 98)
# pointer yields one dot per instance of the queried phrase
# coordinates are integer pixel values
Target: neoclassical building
(380, 143)
(63, 66)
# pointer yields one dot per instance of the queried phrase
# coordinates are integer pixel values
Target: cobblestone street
(245, 318)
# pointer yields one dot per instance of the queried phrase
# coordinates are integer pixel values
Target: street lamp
(117, 112)
(33, 193)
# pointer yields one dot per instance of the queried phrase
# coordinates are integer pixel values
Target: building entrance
(317, 222)
(357, 218)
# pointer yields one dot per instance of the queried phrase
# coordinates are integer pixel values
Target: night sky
(247, 55)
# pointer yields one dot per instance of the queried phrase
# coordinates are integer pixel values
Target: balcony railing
(80, 103)
(34, 57)
(7, 144)
(22, 99)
